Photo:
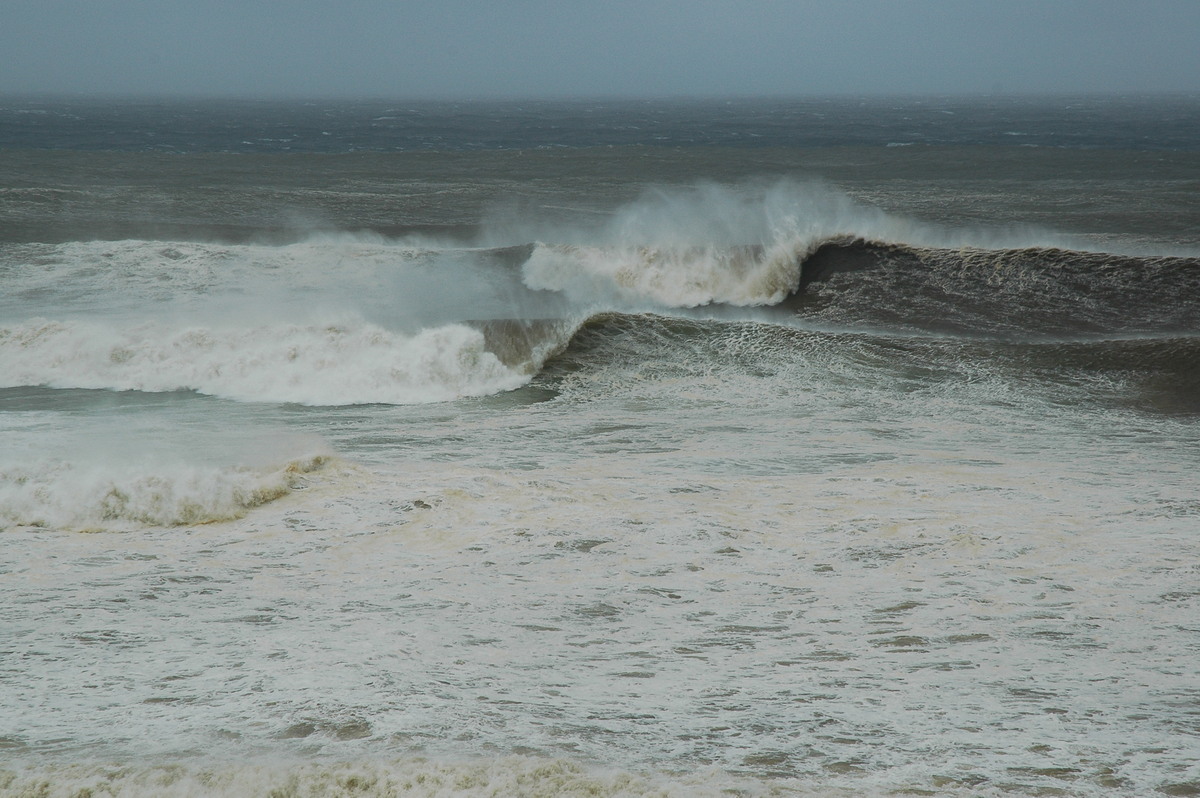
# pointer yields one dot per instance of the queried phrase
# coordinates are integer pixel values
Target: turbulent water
(600, 449)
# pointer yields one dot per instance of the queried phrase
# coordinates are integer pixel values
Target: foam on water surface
(641, 509)
(329, 364)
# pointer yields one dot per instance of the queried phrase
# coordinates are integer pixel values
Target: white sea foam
(402, 778)
(93, 496)
(327, 364)
(686, 277)
(810, 562)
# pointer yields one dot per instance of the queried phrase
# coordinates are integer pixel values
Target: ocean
(827, 447)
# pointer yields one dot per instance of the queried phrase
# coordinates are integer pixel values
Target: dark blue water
(1145, 123)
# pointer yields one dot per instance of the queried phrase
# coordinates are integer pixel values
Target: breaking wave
(673, 278)
(314, 364)
(851, 280)
(353, 320)
(839, 283)
(91, 497)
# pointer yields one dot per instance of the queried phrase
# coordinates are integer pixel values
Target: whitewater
(600, 470)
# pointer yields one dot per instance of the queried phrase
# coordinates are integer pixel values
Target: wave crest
(670, 277)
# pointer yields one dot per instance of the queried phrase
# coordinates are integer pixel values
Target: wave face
(1016, 292)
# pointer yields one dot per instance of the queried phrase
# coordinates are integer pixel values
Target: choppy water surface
(634, 471)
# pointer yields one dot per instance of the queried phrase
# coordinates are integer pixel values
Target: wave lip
(681, 277)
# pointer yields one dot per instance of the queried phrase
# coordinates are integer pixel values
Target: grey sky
(526, 48)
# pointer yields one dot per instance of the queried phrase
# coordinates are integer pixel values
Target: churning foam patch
(319, 364)
(532, 777)
(92, 496)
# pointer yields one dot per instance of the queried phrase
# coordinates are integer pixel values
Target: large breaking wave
(352, 320)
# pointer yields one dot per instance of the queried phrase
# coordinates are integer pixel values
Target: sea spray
(673, 278)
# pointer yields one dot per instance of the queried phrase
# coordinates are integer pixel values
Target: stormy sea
(829, 447)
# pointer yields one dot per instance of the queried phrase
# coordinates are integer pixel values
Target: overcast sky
(555, 48)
